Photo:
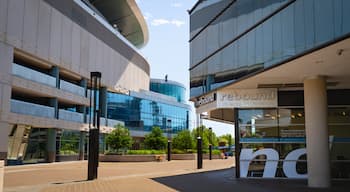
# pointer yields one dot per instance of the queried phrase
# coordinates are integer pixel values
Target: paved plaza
(216, 175)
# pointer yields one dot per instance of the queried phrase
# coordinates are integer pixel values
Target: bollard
(210, 151)
(169, 150)
(199, 153)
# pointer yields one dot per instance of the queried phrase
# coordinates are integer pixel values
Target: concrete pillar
(6, 59)
(83, 83)
(82, 109)
(316, 114)
(55, 72)
(54, 104)
(208, 82)
(51, 145)
(82, 145)
(4, 132)
(103, 101)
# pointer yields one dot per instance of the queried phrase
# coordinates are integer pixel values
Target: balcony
(71, 116)
(33, 75)
(72, 88)
(26, 108)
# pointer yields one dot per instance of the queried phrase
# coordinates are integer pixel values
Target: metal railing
(26, 108)
(72, 88)
(33, 75)
(71, 116)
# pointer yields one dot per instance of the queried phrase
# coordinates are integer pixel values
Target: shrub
(145, 152)
(183, 140)
(155, 139)
(119, 138)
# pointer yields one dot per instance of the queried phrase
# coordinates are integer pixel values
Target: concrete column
(6, 59)
(316, 114)
(55, 72)
(208, 82)
(4, 132)
(82, 145)
(51, 145)
(82, 109)
(83, 83)
(54, 104)
(103, 101)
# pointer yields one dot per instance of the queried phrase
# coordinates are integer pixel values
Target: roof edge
(194, 6)
(138, 14)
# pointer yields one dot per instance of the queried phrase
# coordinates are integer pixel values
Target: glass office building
(278, 70)
(141, 113)
(249, 36)
(170, 88)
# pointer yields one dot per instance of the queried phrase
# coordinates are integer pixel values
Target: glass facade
(252, 35)
(169, 88)
(69, 142)
(36, 150)
(142, 114)
(283, 129)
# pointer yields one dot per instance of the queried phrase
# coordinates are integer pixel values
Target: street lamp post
(210, 143)
(94, 129)
(169, 131)
(199, 148)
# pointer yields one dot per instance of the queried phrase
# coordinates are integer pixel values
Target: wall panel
(30, 25)
(15, 13)
(44, 30)
(55, 37)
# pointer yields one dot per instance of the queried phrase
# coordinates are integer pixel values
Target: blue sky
(167, 50)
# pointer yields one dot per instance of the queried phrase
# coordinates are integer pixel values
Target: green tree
(206, 135)
(119, 138)
(155, 139)
(183, 140)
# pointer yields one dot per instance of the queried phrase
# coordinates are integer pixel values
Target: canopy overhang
(125, 16)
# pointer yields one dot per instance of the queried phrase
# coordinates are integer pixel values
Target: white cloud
(177, 23)
(157, 22)
(176, 5)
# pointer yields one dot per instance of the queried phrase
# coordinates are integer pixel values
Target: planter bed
(188, 156)
(131, 158)
(61, 158)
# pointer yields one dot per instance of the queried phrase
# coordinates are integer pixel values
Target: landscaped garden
(154, 145)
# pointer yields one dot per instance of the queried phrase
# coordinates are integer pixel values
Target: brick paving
(216, 175)
(71, 176)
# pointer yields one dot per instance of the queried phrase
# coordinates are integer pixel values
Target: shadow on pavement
(224, 180)
(67, 182)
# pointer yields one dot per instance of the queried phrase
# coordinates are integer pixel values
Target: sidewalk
(216, 175)
(71, 176)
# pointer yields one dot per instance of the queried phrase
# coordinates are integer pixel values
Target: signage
(272, 158)
(247, 98)
(205, 99)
